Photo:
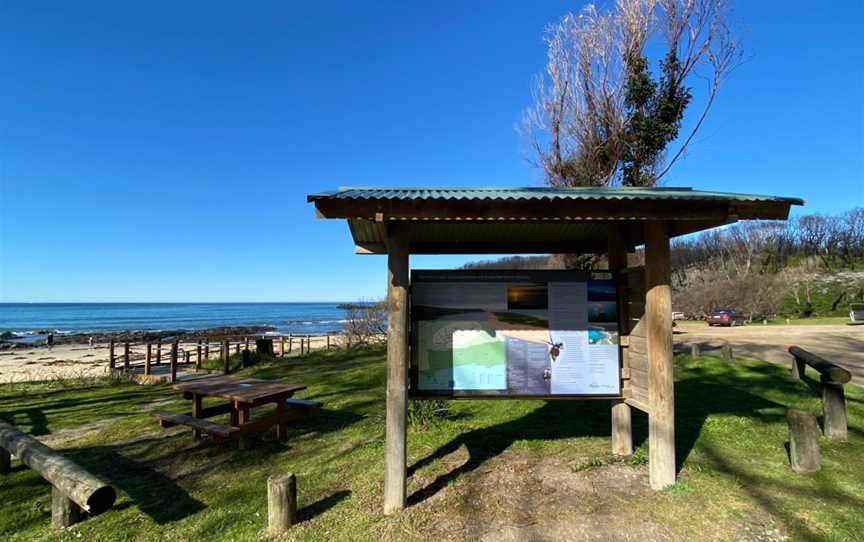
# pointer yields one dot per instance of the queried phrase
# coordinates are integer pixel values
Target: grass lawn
(491, 470)
(816, 320)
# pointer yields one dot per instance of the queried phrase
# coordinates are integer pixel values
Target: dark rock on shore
(213, 334)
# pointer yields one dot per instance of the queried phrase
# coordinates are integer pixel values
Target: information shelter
(518, 325)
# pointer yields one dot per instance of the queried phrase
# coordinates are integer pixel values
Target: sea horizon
(27, 319)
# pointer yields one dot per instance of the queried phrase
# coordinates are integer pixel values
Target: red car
(724, 317)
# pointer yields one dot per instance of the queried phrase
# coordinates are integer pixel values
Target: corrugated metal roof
(540, 193)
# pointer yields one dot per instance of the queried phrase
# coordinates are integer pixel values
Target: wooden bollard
(237, 348)
(206, 351)
(111, 362)
(198, 358)
(126, 356)
(308, 344)
(281, 503)
(798, 367)
(803, 441)
(187, 357)
(282, 346)
(727, 352)
(226, 349)
(328, 342)
(5, 461)
(246, 360)
(247, 343)
(64, 511)
(290, 342)
(147, 360)
(834, 411)
(694, 351)
(174, 362)
(159, 352)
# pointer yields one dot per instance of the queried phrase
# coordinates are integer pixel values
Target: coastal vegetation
(471, 465)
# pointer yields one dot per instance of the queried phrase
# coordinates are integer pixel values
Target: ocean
(29, 319)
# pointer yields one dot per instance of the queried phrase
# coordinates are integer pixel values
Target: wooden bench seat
(170, 419)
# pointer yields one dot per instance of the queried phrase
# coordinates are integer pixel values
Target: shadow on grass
(554, 420)
(322, 505)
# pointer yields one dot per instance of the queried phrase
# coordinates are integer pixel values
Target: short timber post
(64, 511)
(5, 461)
(237, 348)
(187, 357)
(834, 411)
(290, 342)
(694, 351)
(727, 351)
(397, 369)
(328, 342)
(247, 343)
(174, 362)
(158, 351)
(198, 357)
(207, 351)
(111, 362)
(281, 503)
(126, 356)
(246, 360)
(798, 367)
(147, 359)
(226, 348)
(282, 346)
(661, 386)
(804, 455)
(622, 424)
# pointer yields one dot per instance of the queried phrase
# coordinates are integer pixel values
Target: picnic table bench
(242, 394)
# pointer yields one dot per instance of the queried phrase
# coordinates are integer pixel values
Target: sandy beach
(38, 363)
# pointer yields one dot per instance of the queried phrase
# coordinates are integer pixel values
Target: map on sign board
(503, 333)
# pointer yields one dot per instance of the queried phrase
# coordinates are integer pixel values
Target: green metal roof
(541, 193)
(533, 219)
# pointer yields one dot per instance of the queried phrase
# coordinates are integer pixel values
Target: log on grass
(90, 493)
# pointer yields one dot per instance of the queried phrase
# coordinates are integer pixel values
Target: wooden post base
(64, 512)
(281, 503)
(804, 453)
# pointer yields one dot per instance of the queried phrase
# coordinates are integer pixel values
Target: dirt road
(841, 344)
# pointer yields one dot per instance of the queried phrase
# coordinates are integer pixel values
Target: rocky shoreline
(10, 340)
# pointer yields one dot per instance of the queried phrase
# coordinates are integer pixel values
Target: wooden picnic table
(242, 395)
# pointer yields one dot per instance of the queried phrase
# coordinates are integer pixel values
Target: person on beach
(50, 341)
(91, 342)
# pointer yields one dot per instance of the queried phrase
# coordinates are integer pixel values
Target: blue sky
(162, 151)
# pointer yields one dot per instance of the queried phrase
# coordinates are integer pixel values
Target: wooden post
(694, 351)
(158, 351)
(5, 461)
(198, 357)
(125, 356)
(622, 422)
(187, 357)
(397, 369)
(64, 511)
(174, 362)
(247, 359)
(242, 419)
(661, 386)
(281, 503)
(834, 411)
(290, 342)
(328, 342)
(207, 351)
(282, 346)
(308, 344)
(247, 343)
(227, 349)
(147, 360)
(237, 348)
(804, 453)
(301, 345)
(111, 362)
(798, 367)
(727, 351)
(197, 404)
